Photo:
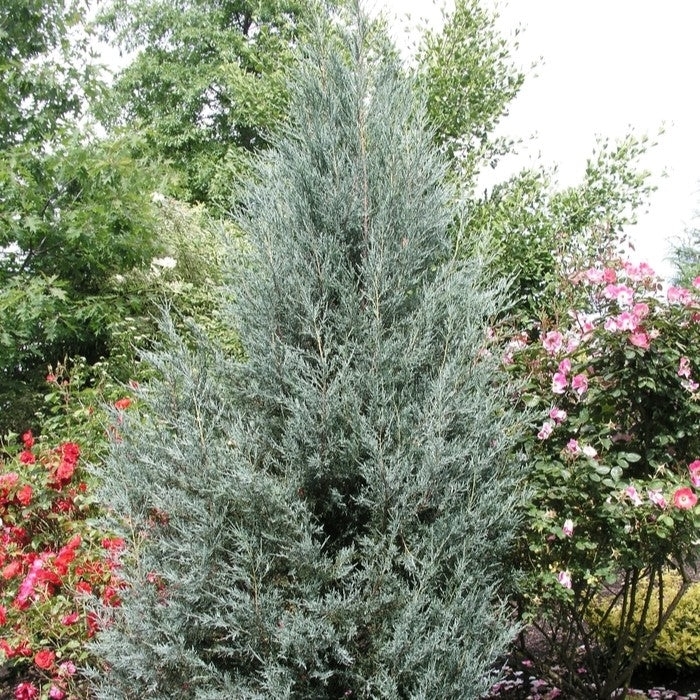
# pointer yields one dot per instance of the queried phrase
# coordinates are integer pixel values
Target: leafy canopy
(207, 82)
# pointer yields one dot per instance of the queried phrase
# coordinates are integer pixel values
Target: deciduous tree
(207, 82)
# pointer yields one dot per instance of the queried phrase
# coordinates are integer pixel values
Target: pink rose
(621, 293)
(632, 494)
(609, 275)
(679, 295)
(558, 415)
(545, 430)
(640, 340)
(580, 384)
(638, 272)
(656, 497)
(640, 311)
(610, 325)
(572, 447)
(684, 367)
(552, 342)
(559, 383)
(684, 498)
(627, 321)
(594, 275)
(694, 469)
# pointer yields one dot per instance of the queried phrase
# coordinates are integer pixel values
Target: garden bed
(519, 683)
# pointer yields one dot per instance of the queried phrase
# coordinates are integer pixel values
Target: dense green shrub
(678, 644)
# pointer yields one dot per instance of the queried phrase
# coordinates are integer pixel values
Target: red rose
(28, 439)
(20, 535)
(122, 404)
(62, 505)
(26, 691)
(74, 542)
(12, 569)
(48, 578)
(26, 457)
(70, 619)
(23, 649)
(66, 555)
(70, 452)
(83, 587)
(65, 470)
(44, 659)
(113, 544)
(92, 624)
(24, 495)
(110, 596)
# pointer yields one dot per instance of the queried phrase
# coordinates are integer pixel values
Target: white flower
(589, 451)
(157, 198)
(166, 262)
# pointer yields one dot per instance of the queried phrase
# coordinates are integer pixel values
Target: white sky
(606, 67)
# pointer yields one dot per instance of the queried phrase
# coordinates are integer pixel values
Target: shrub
(51, 559)
(616, 459)
(330, 517)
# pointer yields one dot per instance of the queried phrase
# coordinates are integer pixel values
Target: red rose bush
(51, 559)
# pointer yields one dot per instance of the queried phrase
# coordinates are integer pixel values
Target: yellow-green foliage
(678, 644)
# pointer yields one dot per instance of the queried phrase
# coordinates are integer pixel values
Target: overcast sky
(608, 68)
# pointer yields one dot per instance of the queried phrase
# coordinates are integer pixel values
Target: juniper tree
(328, 518)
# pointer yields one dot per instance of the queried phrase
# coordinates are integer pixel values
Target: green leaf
(666, 520)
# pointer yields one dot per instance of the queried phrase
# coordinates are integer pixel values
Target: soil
(659, 684)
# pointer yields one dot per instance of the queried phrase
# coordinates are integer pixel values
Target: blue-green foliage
(330, 517)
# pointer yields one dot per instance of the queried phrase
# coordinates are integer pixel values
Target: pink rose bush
(615, 449)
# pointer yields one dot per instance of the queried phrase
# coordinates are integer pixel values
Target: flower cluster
(617, 389)
(51, 559)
